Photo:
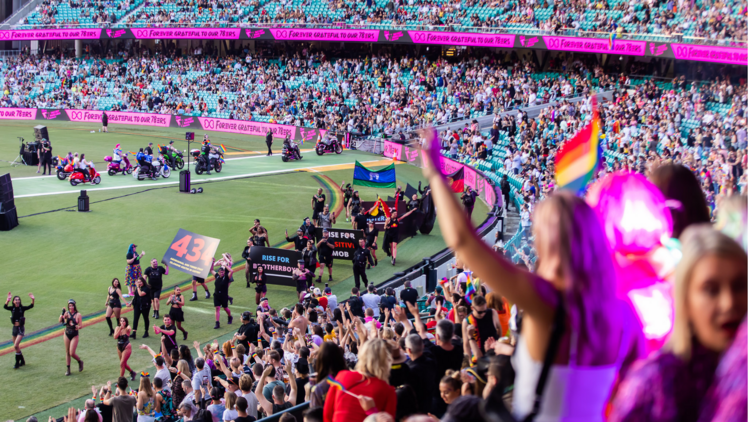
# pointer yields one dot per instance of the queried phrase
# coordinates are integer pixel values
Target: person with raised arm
(572, 295)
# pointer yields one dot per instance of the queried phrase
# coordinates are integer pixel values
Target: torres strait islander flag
(383, 178)
(577, 160)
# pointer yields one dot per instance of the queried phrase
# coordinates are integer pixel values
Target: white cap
(316, 291)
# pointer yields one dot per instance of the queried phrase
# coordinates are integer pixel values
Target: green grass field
(65, 254)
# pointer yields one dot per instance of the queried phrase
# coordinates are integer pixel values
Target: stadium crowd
(702, 126)
(722, 21)
(364, 94)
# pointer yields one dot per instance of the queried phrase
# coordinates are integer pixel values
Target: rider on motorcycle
(171, 154)
(144, 160)
(206, 149)
(83, 167)
(117, 155)
(291, 146)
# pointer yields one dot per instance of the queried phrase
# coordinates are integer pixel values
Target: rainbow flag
(335, 384)
(612, 38)
(471, 291)
(223, 148)
(577, 159)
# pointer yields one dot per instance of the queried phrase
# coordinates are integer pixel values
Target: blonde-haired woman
(710, 304)
(145, 403)
(365, 390)
(575, 274)
(183, 374)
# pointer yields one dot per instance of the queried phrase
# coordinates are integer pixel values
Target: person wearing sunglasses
(485, 322)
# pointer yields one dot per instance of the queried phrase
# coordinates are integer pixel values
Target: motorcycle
(334, 147)
(77, 178)
(179, 163)
(114, 168)
(64, 169)
(160, 168)
(288, 153)
(215, 162)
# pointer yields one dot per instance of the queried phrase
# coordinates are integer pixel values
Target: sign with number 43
(191, 253)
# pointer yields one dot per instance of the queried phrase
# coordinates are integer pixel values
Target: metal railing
(572, 32)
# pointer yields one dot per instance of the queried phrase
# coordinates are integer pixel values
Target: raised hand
(32, 296)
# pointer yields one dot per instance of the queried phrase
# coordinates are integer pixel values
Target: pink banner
(364, 35)
(392, 150)
(18, 113)
(51, 34)
(448, 166)
(489, 193)
(188, 33)
(248, 128)
(470, 178)
(462, 38)
(411, 155)
(595, 45)
(704, 53)
(120, 117)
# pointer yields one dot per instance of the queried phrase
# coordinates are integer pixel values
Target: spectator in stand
(570, 243)
(679, 185)
(372, 301)
(329, 362)
(122, 403)
(409, 295)
(710, 305)
(369, 381)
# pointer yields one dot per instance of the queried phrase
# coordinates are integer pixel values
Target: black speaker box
(8, 220)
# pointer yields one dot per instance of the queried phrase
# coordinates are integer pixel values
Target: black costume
(361, 258)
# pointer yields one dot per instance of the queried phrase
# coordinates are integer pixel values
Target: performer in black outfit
(154, 274)
(176, 302)
(124, 349)
(222, 280)
(371, 241)
(361, 260)
(269, 141)
(141, 305)
(353, 207)
(113, 303)
(348, 193)
(300, 240)
(302, 278)
(168, 336)
(18, 320)
(392, 224)
(325, 255)
(73, 323)
(260, 284)
(309, 256)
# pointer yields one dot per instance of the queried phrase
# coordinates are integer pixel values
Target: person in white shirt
(332, 299)
(372, 300)
(90, 407)
(246, 386)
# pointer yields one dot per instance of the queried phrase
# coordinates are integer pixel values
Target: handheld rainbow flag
(144, 374)
(223, 148)
(612, 38)
(577, 159)
(335, 384)
(471, 291)
(443, 280)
